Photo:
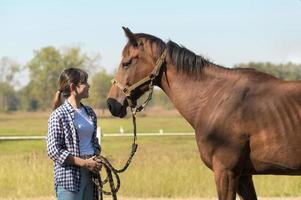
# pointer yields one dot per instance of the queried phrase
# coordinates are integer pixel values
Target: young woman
(71, 139)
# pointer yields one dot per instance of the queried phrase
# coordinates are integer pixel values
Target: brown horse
(246, 122)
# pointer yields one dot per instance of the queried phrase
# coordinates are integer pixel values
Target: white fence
(99, 135)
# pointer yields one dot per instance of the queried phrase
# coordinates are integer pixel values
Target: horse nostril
(116, 108)
(109, 106)
(112, 105)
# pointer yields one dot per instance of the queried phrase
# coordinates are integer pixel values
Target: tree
(8, 70)
(8, 98)
(8, 95)
(45, 68)
(288, 71)
(100, 85)
(27, 101)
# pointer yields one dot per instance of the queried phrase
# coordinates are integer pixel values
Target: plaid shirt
(62, 141)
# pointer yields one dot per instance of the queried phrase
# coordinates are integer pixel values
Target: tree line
(48, 62)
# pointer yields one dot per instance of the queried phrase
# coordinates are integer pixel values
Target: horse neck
(191, 96)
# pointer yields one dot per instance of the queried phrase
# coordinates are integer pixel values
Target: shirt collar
(69, 107)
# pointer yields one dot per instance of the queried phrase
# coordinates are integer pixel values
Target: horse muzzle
(117, 109)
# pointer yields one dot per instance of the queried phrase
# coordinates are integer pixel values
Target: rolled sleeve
(56, 147)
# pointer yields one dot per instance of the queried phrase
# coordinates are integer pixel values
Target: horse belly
(276, 153)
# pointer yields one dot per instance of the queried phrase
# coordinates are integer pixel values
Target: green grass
(23, 124)
(167, 166)
(36, 124)
(146, 124)
(25, 169)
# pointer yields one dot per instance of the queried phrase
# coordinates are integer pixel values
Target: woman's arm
(55, 140)
(91, 164)
(57, 152)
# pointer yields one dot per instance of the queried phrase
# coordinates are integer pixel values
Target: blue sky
(227, 32)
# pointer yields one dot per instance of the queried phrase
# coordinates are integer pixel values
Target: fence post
(99, 134)
(121, 130)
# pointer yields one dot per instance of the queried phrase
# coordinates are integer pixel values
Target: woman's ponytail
(57, 99)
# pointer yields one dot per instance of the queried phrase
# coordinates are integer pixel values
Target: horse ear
(131, 36)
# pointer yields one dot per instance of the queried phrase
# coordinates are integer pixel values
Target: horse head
(137, 71)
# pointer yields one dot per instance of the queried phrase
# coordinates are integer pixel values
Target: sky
(227, 32)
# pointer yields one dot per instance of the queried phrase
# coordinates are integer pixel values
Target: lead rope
(112, 172)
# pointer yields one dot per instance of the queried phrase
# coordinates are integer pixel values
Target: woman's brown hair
(68, 76)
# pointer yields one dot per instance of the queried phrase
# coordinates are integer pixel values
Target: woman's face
(82, 90)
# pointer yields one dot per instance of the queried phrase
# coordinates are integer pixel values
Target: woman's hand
(92, 165)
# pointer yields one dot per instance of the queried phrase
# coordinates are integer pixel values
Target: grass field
(166, 166)
(162, 167)
(36, 124)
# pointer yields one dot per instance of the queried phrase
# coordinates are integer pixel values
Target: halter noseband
(127, 91)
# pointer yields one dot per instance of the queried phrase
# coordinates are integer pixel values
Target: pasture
(36, 123)
(166, 166)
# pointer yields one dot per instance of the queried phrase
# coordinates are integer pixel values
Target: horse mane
(183, 59)
(188, 62)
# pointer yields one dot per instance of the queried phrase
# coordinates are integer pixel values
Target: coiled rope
(111, 172)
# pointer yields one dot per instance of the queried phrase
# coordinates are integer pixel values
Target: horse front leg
(246, 190)
(226, 184)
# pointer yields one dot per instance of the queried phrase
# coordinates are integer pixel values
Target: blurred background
(41, 38)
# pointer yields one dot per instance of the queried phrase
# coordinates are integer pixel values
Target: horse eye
(126, 65)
